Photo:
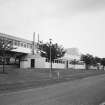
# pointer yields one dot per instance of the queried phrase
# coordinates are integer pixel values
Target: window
(21, 44)
(30, 46)
(18, 43)
(15, 43)
(24, 45)
(27, 45)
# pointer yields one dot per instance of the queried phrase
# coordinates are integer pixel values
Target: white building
(72, 53)
(23, 50)
(27, 59)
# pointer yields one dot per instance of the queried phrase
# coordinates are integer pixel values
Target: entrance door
(66, 64)
(32, 63)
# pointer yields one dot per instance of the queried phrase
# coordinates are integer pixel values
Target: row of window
(63, 62)
(21, 44)
(8, 61)
(56, 61)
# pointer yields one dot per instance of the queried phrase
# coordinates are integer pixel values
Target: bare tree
(5, 45)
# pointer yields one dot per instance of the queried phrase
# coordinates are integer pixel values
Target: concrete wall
(25, 64)
(58, 65)
(42, 63)
(64, 65)
(26, 61)
(54, 65)
(46, 65)
(39, 63)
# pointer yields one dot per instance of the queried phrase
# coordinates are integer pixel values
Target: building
(26, 54)
(72, 53)
(24, 50)
(22, 45)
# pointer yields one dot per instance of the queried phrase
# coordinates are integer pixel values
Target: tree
(97, 62)
(103, 62)
(88, 60)
(5, 46)
(74, 62)
(56, 50)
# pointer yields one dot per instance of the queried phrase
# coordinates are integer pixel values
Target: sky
(71, 23)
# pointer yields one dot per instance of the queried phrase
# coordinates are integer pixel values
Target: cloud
(67, 8)
(53, 8)
(91, 4)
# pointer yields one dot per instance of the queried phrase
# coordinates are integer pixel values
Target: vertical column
(33, 43)
(38, 44)
(38, 38)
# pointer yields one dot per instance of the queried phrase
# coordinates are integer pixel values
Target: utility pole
(50, 55)
(38, 43)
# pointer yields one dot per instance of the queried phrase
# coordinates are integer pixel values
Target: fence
(63, 64)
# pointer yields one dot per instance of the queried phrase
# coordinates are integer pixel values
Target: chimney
(38, 38)
(33, 43)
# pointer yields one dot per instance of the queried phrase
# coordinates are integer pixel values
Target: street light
(50, 55)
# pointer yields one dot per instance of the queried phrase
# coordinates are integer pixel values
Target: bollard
(50, 75)
(58, 75)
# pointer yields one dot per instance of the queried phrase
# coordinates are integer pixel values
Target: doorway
(67, 64)
(32, 63)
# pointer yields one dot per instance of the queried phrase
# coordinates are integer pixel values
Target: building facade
(23, 49)
(26, 55)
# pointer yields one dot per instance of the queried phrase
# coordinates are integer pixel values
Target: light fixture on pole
(50, 55)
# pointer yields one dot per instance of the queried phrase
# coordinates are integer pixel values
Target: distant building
(72, 53)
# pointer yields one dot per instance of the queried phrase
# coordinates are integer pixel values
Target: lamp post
(50, 55)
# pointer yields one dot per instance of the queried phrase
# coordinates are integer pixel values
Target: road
(86, 91)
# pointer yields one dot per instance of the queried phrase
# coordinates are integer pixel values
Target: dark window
(30, 46)
(18, 43)
(21, 44)
(25, 45)
(15, 43)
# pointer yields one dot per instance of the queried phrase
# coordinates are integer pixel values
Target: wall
(46, 65)
(25, 64)
(22, 49)
(54, 65)
(79, 66)
(42, 63)
(26, 61)
(39, 63)
(58, 65)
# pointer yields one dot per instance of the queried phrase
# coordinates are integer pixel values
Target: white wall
(58, 65)
(79, 67)
(21, 49)
(39, 63)
(71, 66)
(24, 64)
(46, 65)
(76, 66)
(54, 65)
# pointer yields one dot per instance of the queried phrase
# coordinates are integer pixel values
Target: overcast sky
(72, 23)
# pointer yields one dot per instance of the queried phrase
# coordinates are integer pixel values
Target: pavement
(85, 91)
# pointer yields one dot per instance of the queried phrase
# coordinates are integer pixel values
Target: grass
(20, 79)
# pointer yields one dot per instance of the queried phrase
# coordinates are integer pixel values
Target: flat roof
(15, 38)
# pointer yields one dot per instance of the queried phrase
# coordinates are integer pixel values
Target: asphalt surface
(86, 91)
